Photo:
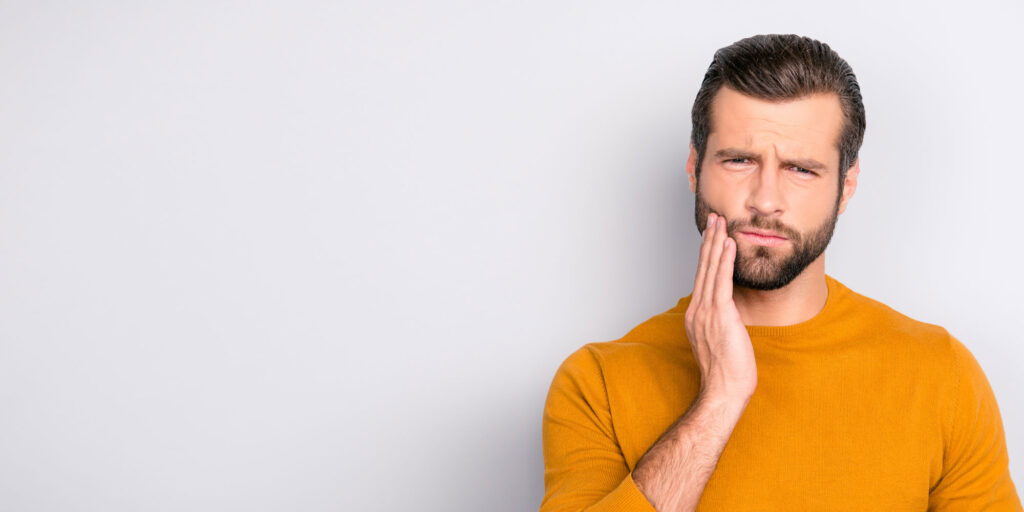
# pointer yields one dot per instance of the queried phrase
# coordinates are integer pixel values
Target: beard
(759, 267)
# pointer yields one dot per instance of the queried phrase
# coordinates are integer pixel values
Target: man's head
(777, 126)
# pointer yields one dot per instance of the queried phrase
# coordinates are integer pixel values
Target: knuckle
(699, 315)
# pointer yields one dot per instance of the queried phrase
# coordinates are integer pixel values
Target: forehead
(804, 127)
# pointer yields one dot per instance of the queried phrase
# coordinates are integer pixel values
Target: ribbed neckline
(835, 292)
(823, 316)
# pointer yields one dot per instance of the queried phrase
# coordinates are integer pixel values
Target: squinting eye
(799, 170)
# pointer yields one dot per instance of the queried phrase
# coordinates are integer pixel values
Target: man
(773, 386)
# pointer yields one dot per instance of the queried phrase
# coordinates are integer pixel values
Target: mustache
(755, 223)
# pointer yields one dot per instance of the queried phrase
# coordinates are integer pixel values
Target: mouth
(766, 238)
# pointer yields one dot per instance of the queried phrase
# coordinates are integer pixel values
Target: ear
(691, 168)
(850, 184)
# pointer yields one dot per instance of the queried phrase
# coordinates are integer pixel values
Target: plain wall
(328, 255)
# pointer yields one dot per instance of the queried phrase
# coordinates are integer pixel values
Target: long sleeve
(584, 469)
(975, 465)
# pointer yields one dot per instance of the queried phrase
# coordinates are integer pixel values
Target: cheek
(711, 187)
(722, 198)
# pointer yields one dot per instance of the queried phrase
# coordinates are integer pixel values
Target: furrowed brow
(735, 153)
(806, 163)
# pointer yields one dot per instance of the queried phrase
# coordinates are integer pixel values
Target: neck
(797, 302)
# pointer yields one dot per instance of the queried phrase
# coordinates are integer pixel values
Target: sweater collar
(828, 313)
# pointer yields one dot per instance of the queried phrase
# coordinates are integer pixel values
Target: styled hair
(779, 67)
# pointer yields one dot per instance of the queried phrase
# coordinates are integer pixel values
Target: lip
(760, 239)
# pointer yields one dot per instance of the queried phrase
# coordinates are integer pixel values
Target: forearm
(673, 472)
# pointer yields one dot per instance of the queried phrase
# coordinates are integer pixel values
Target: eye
(799, 170)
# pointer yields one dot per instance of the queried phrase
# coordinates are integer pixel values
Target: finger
(723, 283)
(702, 262)
(714, 257)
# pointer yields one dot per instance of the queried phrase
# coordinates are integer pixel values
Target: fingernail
(711, 219)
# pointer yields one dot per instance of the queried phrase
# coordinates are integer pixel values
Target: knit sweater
(858, 408)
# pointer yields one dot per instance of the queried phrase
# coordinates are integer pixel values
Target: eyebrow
(806, 163)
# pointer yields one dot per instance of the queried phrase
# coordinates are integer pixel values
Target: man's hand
(673, 472)
(718, 338)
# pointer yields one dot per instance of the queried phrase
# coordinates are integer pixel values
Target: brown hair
(780, 67)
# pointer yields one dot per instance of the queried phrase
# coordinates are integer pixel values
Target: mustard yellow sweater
(858, 408)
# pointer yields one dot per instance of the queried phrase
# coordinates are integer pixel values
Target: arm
(975, 464)
(584, 468)
(673, 472)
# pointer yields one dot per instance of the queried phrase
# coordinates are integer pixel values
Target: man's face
(773, 167)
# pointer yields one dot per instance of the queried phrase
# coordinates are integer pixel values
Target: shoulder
(882, 321)
(596, 364)
(591, 359)
(660, 336)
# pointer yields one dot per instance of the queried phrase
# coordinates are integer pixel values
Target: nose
(765, 198)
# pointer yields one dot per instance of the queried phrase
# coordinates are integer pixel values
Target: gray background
(328, 256)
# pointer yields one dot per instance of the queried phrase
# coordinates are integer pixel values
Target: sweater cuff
(627, 496)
